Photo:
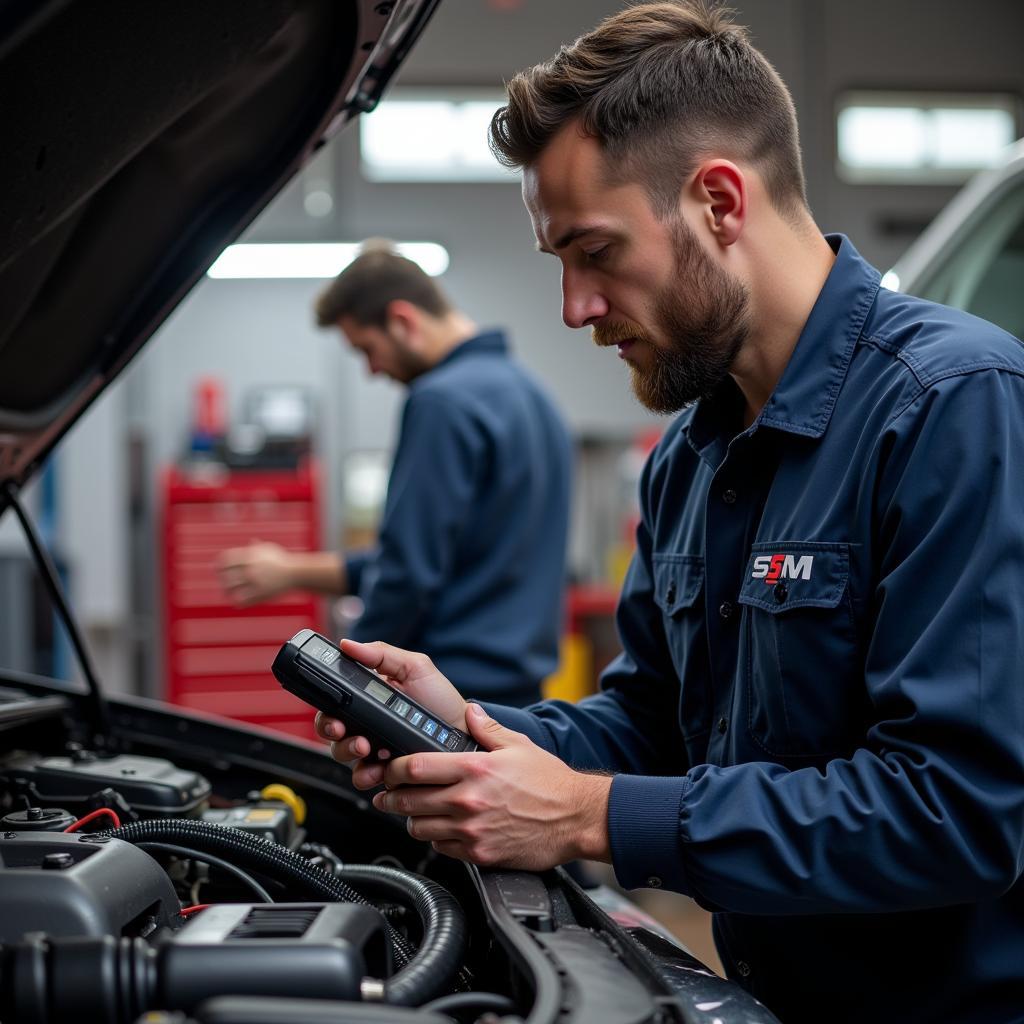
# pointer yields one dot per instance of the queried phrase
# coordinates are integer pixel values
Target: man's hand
(511, 805)
(255, 573)
(411, 673)
(516, 806)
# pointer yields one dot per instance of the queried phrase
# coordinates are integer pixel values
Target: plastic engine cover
(80, 885)
(151, 785)
(322, 951)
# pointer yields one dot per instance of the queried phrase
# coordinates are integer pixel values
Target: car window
(985, 273)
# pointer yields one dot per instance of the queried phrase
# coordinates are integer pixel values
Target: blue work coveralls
(817, 722)
(470, 564)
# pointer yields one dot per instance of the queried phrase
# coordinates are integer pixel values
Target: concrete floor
(684, 919)
(679, 914)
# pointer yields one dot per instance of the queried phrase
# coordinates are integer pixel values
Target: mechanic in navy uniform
(470, 560)
(816, 726)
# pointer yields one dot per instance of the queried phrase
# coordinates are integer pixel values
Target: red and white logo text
(772, 568)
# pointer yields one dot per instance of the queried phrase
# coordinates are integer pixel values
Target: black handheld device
(316, 671)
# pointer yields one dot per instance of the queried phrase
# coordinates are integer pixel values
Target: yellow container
(574, 678)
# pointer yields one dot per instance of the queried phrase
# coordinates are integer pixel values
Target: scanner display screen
(378, 690)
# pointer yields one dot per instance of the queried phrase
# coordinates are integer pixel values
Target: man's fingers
(367, 774)
(428, 769)
(451, 848)
(233, 576)
(231, 558)
(434, 829)
(354, 748)
(328, 728)
(393, 662)
(488, 733)
(418, 801)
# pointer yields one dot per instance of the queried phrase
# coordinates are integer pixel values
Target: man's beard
(407, 364)
(704, 315)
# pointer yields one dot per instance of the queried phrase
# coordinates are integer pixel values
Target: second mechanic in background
(470, 561)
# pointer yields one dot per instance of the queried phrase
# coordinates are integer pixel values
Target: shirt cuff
(520, 720)
(644, 832)
(355, 562)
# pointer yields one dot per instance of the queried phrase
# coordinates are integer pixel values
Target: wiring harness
(423, 974)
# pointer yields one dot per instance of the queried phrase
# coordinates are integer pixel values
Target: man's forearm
(322, 571)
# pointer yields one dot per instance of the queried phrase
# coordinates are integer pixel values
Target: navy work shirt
(470, 566)
(817, 723)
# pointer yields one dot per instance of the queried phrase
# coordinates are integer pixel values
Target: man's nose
(582, 304)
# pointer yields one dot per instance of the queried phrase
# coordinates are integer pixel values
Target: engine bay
(180, 868)
(159, 866)
(129, 884)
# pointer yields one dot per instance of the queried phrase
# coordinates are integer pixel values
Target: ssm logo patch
(772, 568)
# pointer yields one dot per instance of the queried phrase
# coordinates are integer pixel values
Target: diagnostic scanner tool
(316, 671)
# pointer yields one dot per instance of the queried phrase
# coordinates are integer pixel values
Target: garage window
(921, 138)
(432, 135)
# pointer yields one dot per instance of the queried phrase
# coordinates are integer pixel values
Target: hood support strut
(98, 710)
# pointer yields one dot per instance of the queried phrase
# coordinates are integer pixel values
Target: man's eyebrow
(570, 236)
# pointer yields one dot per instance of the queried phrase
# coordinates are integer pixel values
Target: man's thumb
(488, 733)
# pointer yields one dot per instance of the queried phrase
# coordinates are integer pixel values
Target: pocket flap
(794, 574)
(677, 581)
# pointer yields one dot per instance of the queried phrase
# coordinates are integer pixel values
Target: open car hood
(139, 140)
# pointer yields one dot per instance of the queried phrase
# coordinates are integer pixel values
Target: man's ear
(721, 189)
(404, 321)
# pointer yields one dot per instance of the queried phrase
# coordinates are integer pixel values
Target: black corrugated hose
(423, 974)
(445, 933)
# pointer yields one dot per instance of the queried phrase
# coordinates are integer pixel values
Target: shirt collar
(805, 395)
(488, 341)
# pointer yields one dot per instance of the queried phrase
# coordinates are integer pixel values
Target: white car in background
(972, 255)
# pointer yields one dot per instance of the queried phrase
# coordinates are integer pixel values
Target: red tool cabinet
(218, 657)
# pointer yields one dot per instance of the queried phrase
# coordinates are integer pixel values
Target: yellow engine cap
(287, 795)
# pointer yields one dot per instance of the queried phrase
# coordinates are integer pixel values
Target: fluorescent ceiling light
(313, 259)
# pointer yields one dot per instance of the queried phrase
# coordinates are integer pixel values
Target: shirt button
(654, 882)
(725, 609)
(781, 592)
(729, 496)
(723, 724)
(743, 968)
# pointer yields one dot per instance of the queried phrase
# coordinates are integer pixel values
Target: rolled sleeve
(355, 564)
(644, 832)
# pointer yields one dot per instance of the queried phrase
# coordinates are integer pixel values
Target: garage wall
(250, 333)
(944, 45)
(821, 47)
(495, 274)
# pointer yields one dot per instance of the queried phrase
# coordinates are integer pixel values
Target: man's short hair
(661, 86)
(374, 279)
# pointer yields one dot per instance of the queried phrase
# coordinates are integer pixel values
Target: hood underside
(139, 140)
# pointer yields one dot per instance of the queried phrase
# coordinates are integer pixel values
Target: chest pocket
(679, 594)
(802, 672)
(677, 581)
